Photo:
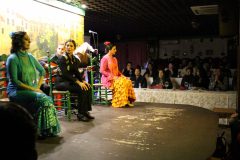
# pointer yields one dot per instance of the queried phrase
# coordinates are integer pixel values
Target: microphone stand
(50, 74)
(91, 63)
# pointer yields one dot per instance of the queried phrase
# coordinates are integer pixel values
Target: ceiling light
(83, 6)
(205, 10)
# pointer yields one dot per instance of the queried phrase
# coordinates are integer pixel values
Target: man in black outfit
(138, 79)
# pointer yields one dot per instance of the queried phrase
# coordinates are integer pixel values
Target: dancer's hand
(87, 84)
(82, 85)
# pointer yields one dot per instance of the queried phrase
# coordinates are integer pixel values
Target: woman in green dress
(23, 88)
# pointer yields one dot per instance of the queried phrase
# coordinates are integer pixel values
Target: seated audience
(150, 71)
(235, 136)
(234, 81)
(162, 81)
(219, 82)
(171, 71)
(202, 78)
(189, 80)
(18, 133)
(138, 80)
(128, 71)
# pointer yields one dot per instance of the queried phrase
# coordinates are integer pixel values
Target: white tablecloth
(205, 99)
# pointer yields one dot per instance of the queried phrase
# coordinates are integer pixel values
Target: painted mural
(46, 25)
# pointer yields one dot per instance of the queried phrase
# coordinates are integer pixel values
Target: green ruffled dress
(24, 68)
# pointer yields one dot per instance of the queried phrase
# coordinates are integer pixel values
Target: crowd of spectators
(209, 74)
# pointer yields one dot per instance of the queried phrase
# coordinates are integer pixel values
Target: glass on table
(166, 84)
(186, 85)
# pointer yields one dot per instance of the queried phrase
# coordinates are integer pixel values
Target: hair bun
(107, 43)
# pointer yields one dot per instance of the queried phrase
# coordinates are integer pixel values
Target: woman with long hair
(23, 88)
(71, 78)
(123, 93)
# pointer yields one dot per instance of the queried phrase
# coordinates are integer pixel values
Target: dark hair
(18, 132)
(17, 41)
(71, 40)
(139, 68)
(108, 46)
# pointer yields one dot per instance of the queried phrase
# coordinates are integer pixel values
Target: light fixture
(63, 5)
(84, 6)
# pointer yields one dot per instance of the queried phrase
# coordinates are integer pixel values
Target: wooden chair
(63, 100)
(3, 78)
(224, 115)
(100, 93)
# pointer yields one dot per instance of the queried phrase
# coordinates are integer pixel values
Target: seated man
(189, 80)
(128, 70)
(54, 66)
(138, 80)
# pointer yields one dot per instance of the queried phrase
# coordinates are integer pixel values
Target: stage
(148, 131)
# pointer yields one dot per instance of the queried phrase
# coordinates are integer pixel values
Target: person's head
(196, 71)
(70, 46)
(190, 64)
(218, 71)
(60, 49)
(150, 66)
(18, 132)
(20, 41)
(129, 65)
(146, 75)
(84, 48)
(189, 71)
(160, 73)
(110, 48)
(137, 72)
(170, 66)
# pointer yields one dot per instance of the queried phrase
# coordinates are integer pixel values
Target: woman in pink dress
(123, 93)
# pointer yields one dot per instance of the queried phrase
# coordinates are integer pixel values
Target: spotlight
(84, 6)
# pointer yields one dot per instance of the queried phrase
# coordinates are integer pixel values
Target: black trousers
(84, 97)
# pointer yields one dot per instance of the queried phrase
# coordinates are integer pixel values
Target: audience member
(150, 71)
(162, 81)
(138, 80)
(234, 81)
(219, 82)
(18, 133)
(171, 71)
(188, 81)
(128, 71)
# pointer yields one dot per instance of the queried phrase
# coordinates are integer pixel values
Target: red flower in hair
(107, 43)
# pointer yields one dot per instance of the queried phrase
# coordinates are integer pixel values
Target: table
(200, 98)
